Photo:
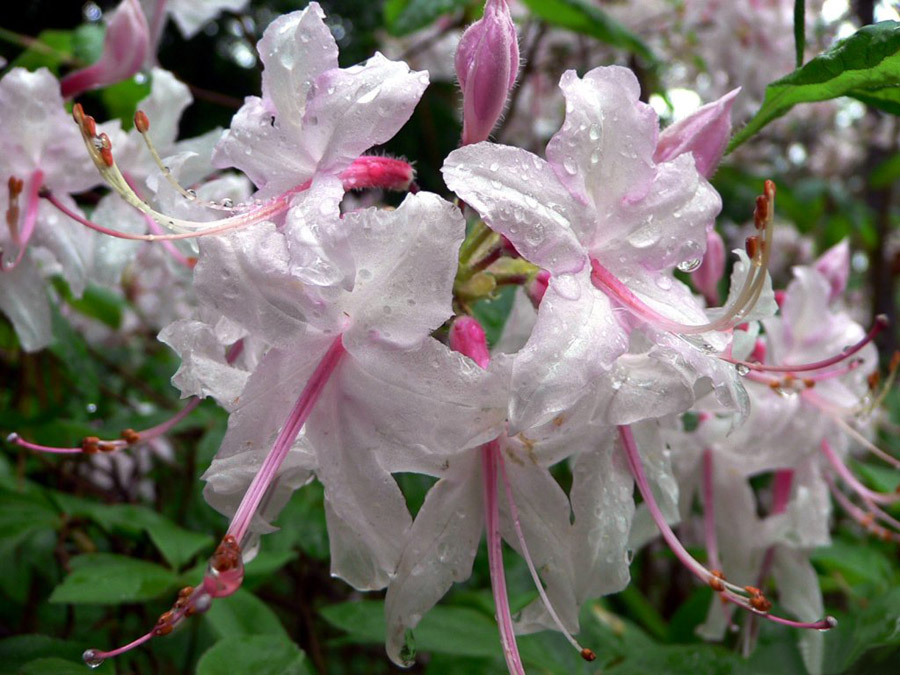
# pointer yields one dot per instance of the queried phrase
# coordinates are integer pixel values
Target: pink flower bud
(834, 265)
(487, 62)
(125, 49)
(467, 337)
(706, 277)
(370, 171)
(536, 289)
(704, 133)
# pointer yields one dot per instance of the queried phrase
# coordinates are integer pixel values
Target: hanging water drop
(92, 658)
(742, 369)
(689, 265)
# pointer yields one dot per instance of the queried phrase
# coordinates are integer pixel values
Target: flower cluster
(344, 343)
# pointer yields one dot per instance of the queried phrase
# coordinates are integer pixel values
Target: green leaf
(51, 49)
(866, 66)
(109, 579)
(583, 17)
(243, 614)
(177, 545)
(855, 562)
(121, 99)
(19, 650)
(493, 313)
(257, 654)
(405, 16)
(87, 42)
(98, 303)
(52, 666)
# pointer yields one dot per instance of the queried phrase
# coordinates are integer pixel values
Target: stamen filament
(852, 481)
(881, 322)
(240, 523)
(748, 598)
(490, 453)
(865, 519)
(586, 654)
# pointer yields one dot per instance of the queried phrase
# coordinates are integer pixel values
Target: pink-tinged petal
(30, 105)
(518, 195)
(125, 48)
(665, 227)
(834, 265)
(366, 512)
(265, 149)
(246, 277)
(295, 49)
(204, 370)
(439, 549)
(406, 262)
(704, 134)
(603, 507)
(67, 240)
(437, 401)
(544, 515)
(352, 109)
(487, 61)
(706, 277)
(603, 152)
(574, 343)
(24, 301)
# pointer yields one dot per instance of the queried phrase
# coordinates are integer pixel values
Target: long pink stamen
(881, 322)
(269, 209)
(726, 590)
(490, 453)
(865, 519)
(286, 437)
(586, 654)
(852, 481)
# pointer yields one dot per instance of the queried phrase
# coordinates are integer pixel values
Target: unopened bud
(706, 277)
(487, 62)
(371, 171)
(467, 337)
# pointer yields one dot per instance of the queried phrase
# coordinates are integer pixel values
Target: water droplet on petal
(569, 166)
(594, 133)
(664, 282)
(742, 370)
(689, 265)
(494, 166)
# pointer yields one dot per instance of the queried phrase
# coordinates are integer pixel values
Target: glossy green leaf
(866, 65)
(109, 579)
(405, 16)
(243, 614)
(588, 19)
(257, 654)
(177, 545)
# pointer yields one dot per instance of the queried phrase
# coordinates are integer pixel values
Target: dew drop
(227, 203)
(595, 157)
(494, 166)
(689, 265)
(664, 282)
(742, 369)
(192, 194)
(387, 310)
(569, 166)
(92, 658)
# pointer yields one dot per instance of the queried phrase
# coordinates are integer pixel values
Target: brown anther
(78, 114)
(895, 362)
(192, 262)
(761, 212)
(775, 385)
(752, 590)
(588, 654)
(185, 592)
(165, 629)
(227, 555)
(15, 187)
(867, 521)
(808, 382)
(89, 126)
(106, 150)
(752, 247)
(141, 122)
(760, 603)
(789, 380)
(130, 436)
(558, 420)
(874, 380)
(165, 617)
(769, 190)
(715, 581)
(90, 445)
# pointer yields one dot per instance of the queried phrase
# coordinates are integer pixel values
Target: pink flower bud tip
(538, 287)
(467, 337)
(487, 62)
(371, 171)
